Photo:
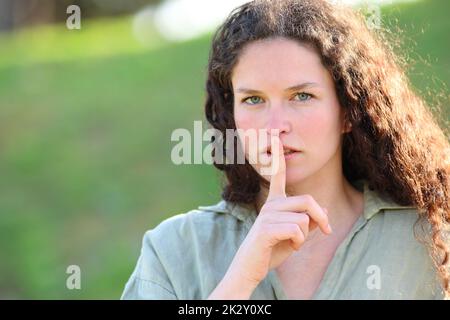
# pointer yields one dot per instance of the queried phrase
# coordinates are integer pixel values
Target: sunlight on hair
(179, 20)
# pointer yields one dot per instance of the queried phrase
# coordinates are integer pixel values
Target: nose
(278, 120)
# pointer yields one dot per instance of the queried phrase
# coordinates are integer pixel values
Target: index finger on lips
(278, 178)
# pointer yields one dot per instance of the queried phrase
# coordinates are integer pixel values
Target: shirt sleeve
(149, 280)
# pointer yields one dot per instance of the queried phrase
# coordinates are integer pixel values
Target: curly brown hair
(395, 143)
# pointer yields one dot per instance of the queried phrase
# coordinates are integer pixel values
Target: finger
(302, 204)
(278, 179)
(301, 219)
(291, 216)
(287, 231)
(312, 224)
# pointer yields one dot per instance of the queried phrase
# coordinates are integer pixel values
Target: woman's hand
(281, 227)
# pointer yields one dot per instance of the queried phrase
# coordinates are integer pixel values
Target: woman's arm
(233, 287)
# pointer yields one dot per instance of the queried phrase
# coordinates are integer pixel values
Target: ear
(347, 126)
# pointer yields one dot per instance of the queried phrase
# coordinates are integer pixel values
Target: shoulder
(177, 254)
(202, 220)
(398, 227)
(385, 250)
(397, 243)
(185, 235)
(401, 217)
(387, 217)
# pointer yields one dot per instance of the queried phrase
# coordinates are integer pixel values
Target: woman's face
(281, 84)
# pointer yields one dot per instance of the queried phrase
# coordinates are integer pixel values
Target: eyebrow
(293, 88)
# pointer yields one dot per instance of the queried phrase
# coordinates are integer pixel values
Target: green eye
(303, 96)
(253, 100)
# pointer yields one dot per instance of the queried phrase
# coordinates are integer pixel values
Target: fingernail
(329, 229)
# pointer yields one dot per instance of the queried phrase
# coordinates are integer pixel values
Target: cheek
(320, 125)
(246, 120)
(243, 121)
(251, 132)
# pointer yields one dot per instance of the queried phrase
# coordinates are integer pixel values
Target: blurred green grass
(86, 118)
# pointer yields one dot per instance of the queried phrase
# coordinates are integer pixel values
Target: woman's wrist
(233, 287)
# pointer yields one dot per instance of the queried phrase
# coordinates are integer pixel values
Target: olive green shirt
(187, 255)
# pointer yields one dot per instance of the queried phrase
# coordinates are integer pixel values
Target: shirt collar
(242, 212)
(374, 203)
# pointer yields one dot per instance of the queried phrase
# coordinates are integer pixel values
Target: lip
(294, 152)
(285, 148)
(291, 155)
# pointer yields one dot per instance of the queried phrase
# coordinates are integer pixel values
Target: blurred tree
(18, 13)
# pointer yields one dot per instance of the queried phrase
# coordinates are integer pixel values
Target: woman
(358, 205)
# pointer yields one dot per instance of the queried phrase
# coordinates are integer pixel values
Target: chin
(293, 178)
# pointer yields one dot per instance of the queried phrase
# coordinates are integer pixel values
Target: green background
(85, 123)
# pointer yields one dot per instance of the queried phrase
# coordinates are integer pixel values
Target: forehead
(278, 60)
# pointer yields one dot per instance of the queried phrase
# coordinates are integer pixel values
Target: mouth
(286, 151)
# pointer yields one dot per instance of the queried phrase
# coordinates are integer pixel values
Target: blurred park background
(86, 118)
